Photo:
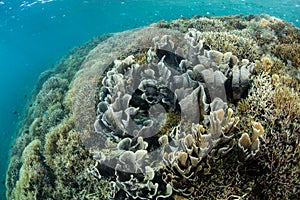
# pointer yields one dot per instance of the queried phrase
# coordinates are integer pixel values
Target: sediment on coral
(200, 108)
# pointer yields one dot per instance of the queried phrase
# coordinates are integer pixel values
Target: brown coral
(289, 52)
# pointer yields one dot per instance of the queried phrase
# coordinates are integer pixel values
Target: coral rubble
(200, 108)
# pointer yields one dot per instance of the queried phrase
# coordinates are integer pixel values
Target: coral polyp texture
(200, 108)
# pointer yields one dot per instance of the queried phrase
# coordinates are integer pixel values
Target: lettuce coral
(177, 73)
(200, 108)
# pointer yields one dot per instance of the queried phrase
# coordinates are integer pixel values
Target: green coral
(28, 175)
(69, 161)
(34, 177)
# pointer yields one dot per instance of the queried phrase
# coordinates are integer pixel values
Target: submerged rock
(168, 112)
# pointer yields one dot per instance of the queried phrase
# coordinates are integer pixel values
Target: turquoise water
(35, 34)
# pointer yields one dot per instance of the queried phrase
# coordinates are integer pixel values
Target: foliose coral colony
(201, 108)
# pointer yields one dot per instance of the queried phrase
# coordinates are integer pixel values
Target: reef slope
(200, 108)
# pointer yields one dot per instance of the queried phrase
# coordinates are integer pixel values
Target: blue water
(35, 34)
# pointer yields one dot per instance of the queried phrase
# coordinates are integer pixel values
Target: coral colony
(200, 108)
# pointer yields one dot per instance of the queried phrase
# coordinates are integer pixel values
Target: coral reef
(200, 108)
(134, 100)
(28, 175)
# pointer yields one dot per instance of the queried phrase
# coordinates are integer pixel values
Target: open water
(35, 34)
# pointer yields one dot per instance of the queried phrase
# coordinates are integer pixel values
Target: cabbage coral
(200, 108)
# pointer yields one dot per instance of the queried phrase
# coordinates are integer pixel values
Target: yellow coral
(252, 144)
(245, 141)
(243, 106)
(268, 65)
(286, 103)
(258, 130)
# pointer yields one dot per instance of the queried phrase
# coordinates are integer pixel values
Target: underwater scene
(145, 99)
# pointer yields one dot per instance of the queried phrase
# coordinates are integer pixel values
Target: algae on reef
(223, 92)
